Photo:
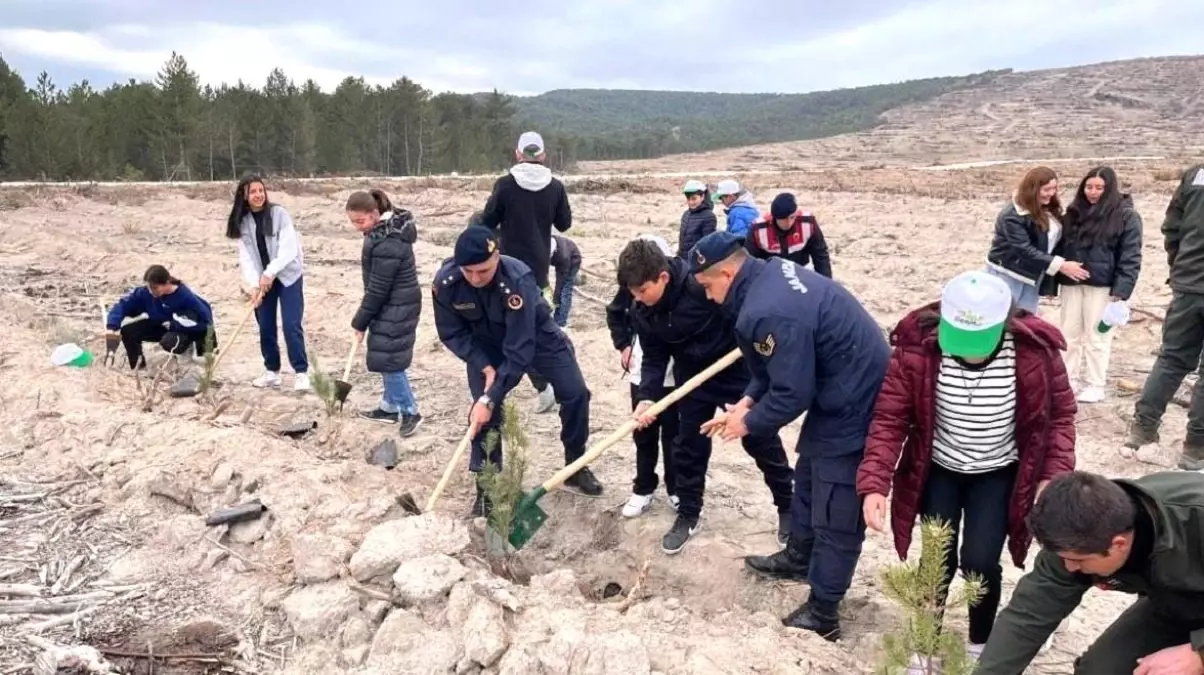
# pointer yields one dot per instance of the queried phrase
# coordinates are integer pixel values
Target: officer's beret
(711, 249)
(475, 245)
(783, 206)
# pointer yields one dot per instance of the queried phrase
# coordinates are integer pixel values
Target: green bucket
(71, 355)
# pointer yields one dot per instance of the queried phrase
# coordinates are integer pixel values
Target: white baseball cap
(974, 311)
(727, 187)
(530, 144)
(694, 186)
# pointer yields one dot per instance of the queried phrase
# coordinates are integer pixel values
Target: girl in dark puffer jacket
(698, 220)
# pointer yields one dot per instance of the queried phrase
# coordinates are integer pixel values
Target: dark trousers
(692, 454)
(563, 294)
(559, 367)
(1182, 342)
(655, 440)
(1139, 631)
(138, 332)
(291, 302)
(826, 520)
(982, 499)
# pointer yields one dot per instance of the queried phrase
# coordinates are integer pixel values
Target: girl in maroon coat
(977, 404)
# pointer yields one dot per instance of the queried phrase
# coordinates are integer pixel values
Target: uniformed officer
(675, 321)
(812, 348)
(491, 314)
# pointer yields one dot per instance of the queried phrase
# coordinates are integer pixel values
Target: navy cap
(711, 249)
(475, 245)
(783, 206)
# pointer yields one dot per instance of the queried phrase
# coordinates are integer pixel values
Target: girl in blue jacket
(168, 313)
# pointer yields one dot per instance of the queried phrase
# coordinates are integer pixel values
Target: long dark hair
(366, 202)
(242, 207)
(1097, 223)
(157, 275)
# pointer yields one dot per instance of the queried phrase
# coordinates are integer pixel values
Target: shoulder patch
(514, 301)
(766, 347)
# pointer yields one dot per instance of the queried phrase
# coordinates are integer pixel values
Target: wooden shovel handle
(233, 337)
(447, 472)
(355, 345)
(655, 409)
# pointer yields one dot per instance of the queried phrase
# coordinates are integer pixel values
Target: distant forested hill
(624, 124)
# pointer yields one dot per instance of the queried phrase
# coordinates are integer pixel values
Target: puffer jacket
(696, 223)
(392, 295)
(1113, 264)
(904, 422)
(1019, 250)
(741, 214)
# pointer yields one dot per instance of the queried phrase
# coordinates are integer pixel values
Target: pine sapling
(504, 487)
(918, 588)
(324, 387)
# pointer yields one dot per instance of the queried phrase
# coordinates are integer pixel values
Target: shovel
(341, 386)
(407, 500)
(528, 517)
(234, 336)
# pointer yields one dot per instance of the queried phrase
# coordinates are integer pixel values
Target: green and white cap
(694, 186)
(974, 311)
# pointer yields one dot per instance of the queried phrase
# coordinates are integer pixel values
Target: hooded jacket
(1183, 229)
(169, 309)
(696, 223)
(898, 450)
(741, 214)
(1113, 264)
(524, 206)
(392, 299)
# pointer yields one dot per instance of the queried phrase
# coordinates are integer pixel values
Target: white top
(1055, 233)
(637, 360)
(287, 262)
(976, 413)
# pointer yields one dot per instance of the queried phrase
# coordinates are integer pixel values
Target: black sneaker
(584, 483)
(482, 507)
(792, 563)
(818, 617)
(379, 415)
(410, 424)
(675, 539)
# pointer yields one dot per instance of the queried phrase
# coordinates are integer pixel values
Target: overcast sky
(531, 46)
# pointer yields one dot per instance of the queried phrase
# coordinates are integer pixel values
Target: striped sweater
(976, 413)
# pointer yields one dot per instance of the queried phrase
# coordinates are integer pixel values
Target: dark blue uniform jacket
(496, 325)
(811, 347)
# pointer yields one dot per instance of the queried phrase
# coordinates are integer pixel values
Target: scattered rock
(186, 387)
(561, 583)
(316, 612)
(427, 578)
(356, 632)
(250, 531)
(375, 611)
(617, 652)
(222, 474)
(318, 557)
(484, 634)
(298, 429)
(354, 656)
(406, 644)
(392, 543)
(383, 454)
(212, 558)
(173, 489)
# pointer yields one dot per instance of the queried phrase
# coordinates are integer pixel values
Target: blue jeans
(1025, 296)
(398, 397)
(291, 301)
(564, 296)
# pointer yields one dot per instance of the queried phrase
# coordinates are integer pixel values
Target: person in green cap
(977, 404)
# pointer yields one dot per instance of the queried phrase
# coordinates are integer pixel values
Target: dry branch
(636, 588)
(22, 590)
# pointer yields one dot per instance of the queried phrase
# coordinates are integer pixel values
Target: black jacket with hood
(526, 203)
(696, 223)
(392, 295)
(1113, 263)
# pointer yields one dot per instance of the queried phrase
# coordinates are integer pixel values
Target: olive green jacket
(1183, 229)
(1173, 581)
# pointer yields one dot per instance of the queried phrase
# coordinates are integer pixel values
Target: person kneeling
(176, 318)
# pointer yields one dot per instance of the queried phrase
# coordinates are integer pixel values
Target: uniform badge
(766, 347)
(490, 245)
(514, 302)
(700, 258)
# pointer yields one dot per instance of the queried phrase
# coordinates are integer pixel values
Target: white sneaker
(1091, 395)
(268, 379)
(674, 502)
(546, 401)
(301, 382)
(636, 506)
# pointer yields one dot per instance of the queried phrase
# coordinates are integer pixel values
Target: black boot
(584, 483)
(792, 563)
(817, 616)
(784, 529)
(482, 507)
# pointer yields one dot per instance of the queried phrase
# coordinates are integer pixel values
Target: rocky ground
(104, 488)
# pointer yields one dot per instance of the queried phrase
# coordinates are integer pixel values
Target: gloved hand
(184, 321)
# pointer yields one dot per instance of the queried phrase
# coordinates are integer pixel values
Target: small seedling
(918, 587)
(504, 487)
(206, 390)
(324, 387)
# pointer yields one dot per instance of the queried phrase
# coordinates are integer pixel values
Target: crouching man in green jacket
(1143, 536)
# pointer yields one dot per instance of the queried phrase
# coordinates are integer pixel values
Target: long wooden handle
(233, 337)
(447, 472)
(655, 409)
(355, 345)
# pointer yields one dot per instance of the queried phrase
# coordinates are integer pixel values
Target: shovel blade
(528, 518)
(341, 390)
